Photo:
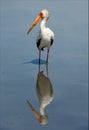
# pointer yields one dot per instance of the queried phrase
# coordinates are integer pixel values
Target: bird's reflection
(45, 95)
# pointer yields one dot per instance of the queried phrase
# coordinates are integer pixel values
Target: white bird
(45, 37)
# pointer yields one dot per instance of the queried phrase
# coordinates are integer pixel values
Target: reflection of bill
(44, 92)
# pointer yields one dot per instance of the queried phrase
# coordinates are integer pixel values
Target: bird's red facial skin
(41, 14)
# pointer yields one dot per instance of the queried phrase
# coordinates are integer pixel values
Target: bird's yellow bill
(37, 115)
(34, 23)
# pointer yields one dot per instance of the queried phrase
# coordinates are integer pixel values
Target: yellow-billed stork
(45, 37)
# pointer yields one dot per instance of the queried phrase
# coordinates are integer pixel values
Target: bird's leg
(47, 56)
(39, 55)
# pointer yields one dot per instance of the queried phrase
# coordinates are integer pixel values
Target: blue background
(68, 64)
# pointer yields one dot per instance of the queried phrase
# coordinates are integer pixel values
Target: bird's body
(45, 37)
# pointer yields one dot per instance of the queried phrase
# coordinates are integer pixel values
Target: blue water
(68, 65)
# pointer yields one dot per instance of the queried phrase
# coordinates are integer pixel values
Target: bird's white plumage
(45, 37)
(45, 34)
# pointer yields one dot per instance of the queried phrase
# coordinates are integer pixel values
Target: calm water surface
(67, 68)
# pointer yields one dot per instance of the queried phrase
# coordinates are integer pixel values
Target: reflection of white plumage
(46, 36)
(45, 95)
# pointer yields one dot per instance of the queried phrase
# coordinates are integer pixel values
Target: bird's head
(44, 14)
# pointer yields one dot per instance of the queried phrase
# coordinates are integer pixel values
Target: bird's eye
(41, 14)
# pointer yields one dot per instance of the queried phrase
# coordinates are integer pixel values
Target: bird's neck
(42, 25)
